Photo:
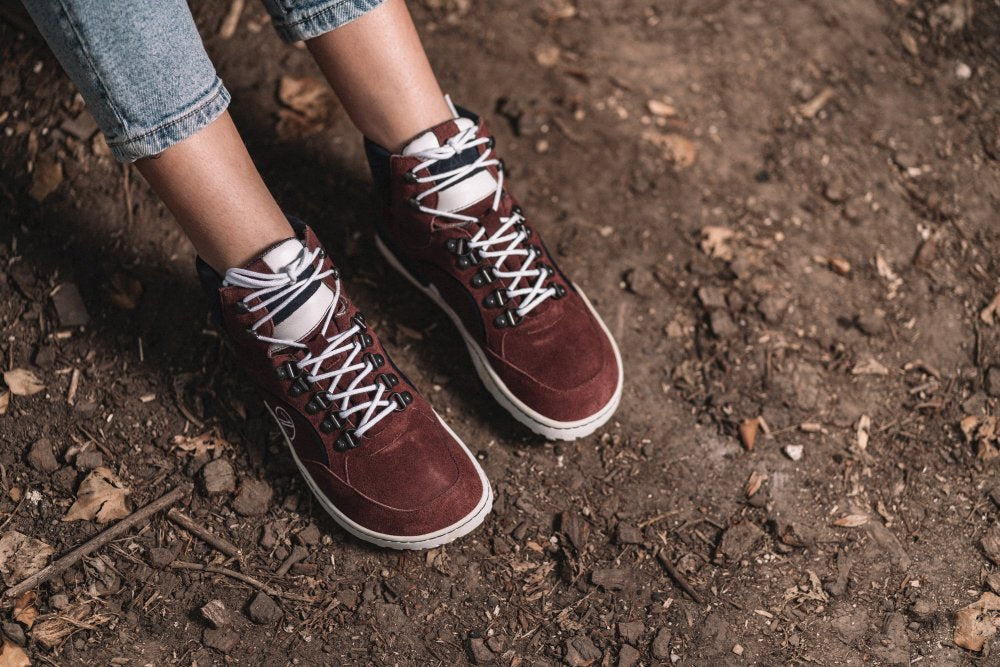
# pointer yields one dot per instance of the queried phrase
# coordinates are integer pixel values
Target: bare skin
(380, 72)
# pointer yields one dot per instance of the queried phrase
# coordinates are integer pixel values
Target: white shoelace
(531, 294)
(282, 288)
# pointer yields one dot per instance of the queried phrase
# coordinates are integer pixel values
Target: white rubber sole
(463, 526)
(537, 422)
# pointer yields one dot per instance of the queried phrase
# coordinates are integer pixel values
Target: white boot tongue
(468, 191)
(298, 319)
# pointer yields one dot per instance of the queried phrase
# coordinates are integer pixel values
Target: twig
(678, 577)
(299, 553)
(188, 524)
(231, 20)
(127, 189)
(98, 541)
(14, 513)
(239, 576)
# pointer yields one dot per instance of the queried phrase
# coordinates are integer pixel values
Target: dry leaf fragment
(102, 496)
(677, 149)
(754, 483)
(12, 655)
(863, 432)
(988, 315)
(869, 367)
(839, 265)
(715, 242)
(748, 432)
(977, 622)
(21, 556)
(4, 402)
(22, 382)
(25, 611)
(662, 109)
(851, 520)
(815, 105)
(200, 445)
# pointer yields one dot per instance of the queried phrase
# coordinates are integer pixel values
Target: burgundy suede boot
(454, 231)
(375, 454)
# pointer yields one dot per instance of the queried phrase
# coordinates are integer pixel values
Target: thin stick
(239, 576)
(188, 524)
(98, 541)
(678, 577)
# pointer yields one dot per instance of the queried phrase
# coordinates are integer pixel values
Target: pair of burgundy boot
(372, 450)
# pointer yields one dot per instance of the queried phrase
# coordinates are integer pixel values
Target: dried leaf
(748, 432)
(977, 623)
(21, 556)
(23, 382)
(676, 148)
(12, 655)
(102, 496)
(25, 611)
(125, 291)
(754, 483)
(863, 432)
(869, 367)
(851, 520)
(715, 242)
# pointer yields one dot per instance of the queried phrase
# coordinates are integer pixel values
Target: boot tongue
(299, 318)
(477, 187)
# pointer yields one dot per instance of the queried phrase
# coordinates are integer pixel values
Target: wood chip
(988, 315)
(815, 105)
(748, 432)
(869, 367)
(863, 432)
(851, 520)
(755, 481)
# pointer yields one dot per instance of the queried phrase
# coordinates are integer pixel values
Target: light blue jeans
(142, 68)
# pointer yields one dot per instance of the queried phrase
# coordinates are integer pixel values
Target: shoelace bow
(282, 288)
(511, 231)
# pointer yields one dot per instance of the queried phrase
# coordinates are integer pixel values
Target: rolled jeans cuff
(181, 125)
(305, 23)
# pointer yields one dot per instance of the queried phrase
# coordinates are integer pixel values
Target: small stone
(640, 281)
(160, 557)
(794, 452)
(738, 540)
(47, 176)
(611, 579)
(628, 656)
(579, 651)
(69, 306)
(626, 533)
(221, 639)
(661, 644)
(88, 460)
(308, 536)
(738, 649)
(993, 381)
(923, 608)
(712, 298)
(991, 543)
(631, 632)
(835, 191)
(773, 308)
(59, 601)
(253, 498)
(263, 610)
(82, 127)
(722, 324)
(41, 457)
(215, 613)
(481, 654)
(218, 477)
(347, 598)
(15, 633)
(268, 535)
(872, 322)
(64, 479)
(963, 71)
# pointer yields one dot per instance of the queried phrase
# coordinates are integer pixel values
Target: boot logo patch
(284, 422)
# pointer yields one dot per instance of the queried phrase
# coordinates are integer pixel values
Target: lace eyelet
(560, 291)
(457, 246)
(375, 360)
(409, 177)
(507, 319)
(468, 260)
(414, 204)
(331, 423)
(359, 320)
(388, 380)
(320, 401)
(496, 299)
(287, 371)
(346, 441)
(364, 340)
(301, 385)
(241, 307)
(402, 399)
(483, 277)
(492, 142)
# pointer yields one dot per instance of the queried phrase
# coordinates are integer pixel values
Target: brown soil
(805, 230)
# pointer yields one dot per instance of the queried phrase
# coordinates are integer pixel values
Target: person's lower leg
(380, 72)
(217, 196)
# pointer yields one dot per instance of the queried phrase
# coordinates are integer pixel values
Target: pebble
(262, 609)
(59, 601)
(738, 540)
(580, 651)
(216, 613)
(481, 654)
(308, 536)
(631, 631)
(15, 633)
(722, 324)
(160, 557)
(41, 457)
(712, 298)
(993, 381)
(794, 452)
(64, 479)
(640, 281)
(88, 460)
(221, 639)
(628, 656)
(218, 477)
(253, 498)
(661, 644)
(963, 71)
(69, 306)
(626, 533)
(872, 322)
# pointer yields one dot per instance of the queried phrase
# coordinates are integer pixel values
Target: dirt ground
(785, 211)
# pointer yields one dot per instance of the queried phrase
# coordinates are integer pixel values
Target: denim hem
(180, 126)
(324, 18)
